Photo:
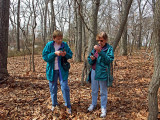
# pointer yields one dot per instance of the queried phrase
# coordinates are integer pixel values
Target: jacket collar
(105, 47)
(62, 45)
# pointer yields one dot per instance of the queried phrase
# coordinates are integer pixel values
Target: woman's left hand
(97, 48)
(63, 53)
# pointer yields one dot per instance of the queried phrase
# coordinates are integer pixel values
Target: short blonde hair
(57, 33)
(102, 35)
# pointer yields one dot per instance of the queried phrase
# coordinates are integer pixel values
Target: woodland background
(133, 30)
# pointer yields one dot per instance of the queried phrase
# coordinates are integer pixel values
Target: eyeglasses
(100, 40)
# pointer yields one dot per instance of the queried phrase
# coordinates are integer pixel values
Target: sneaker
(91, 107)
(69, 111)
(52, 108)
(103, 114)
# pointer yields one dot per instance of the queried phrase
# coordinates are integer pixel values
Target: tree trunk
(18, 25)
(124, 42)
(33, 34)
(83, 38)
(93, 21)
(53, 21)
(155, 82)
(93, 30)
(78, 50)
(69, 29)
(75, 28)
(122, 25)
(140, 26)
(123, 47)
(4, 24)
(45, 22)
(108, 21)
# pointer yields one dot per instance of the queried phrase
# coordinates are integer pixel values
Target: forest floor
(25, 95)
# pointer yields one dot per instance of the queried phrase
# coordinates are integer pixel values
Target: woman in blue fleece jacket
(100, 58)
(52, 54)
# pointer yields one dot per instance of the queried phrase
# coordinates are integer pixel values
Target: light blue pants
(64, 88)
(95, 87)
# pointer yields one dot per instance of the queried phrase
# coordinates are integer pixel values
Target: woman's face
(58, 40)
(101, 41)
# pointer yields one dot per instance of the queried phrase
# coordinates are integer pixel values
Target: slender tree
(122, 25)
(155, 82)
(123, 47)
(75, 27)
(53, 21)
(34, 24)
(93, 25)
(78, 45)
(4, 24)
(45, 22)
(18, 25)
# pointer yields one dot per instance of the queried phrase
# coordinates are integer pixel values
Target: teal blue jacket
(49, 55)
(105, 57)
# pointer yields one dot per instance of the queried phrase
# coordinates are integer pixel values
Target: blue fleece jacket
(49, 55)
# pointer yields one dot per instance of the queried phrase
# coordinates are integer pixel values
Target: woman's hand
(92, 57)
(63, 53)
(58, 53)
(97, 48)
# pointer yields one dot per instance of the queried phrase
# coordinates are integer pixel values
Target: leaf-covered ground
(25, 95)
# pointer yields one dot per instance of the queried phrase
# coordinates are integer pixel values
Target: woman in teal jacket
(52, 54)
(100, 58)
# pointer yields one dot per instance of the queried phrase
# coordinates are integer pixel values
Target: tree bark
(93, 21)
(155, 82)
(78, 50)
(18, 25)
(53, 21)
(33, 34)
(123, 47)
(75, 28)
(4, 24)
(93, 30)
(122, 25)
(45, 22)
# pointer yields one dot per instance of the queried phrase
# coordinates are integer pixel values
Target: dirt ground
(25, 95)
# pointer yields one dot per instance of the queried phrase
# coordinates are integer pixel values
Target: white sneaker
(91, 107)
(69, 110)
(103, 114)
(52, 108)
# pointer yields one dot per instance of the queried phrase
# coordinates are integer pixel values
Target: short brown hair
(57, 33)
(102, 35)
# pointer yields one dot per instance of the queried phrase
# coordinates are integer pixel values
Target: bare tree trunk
(45, 22)
(33, 34)
(93, 30)
(53, 21)
(140, 26)
(4, 24)
(124, 42)
(93, 21)
(155, 82)
(69, 29)
(83, 38)
(123, 47)
(78, 50)
(122, 25)
(109, 18)
(18, 24)
(76, 28)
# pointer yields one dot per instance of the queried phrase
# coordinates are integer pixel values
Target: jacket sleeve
(90, 61)
(47, 55)
(107, 57)
(68, 52)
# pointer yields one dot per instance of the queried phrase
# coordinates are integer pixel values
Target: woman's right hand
(58, 53)
(92, 57)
